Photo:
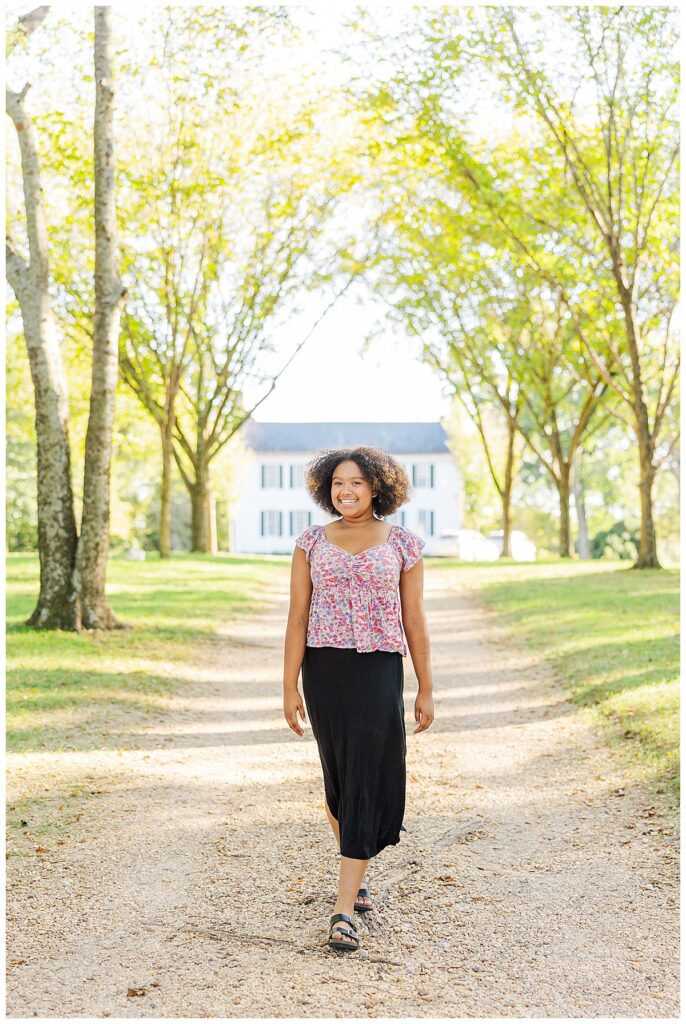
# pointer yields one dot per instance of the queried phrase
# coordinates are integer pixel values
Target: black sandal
(343, 943)
(363, 907)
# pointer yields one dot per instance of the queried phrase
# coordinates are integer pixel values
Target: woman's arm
(296, 638)
(417, 633)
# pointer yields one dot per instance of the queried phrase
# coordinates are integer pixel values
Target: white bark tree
(29, 278)
(93, 545)
(72, 590)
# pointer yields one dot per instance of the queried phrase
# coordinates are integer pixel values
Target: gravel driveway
(199, 870)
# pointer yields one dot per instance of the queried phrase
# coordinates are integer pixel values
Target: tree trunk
(506, 494)
(647, 552)
(93, 545)
(200, 511)
(564, 493)
(57, 538)
(56, 608)
(583, 545)
(166, 429)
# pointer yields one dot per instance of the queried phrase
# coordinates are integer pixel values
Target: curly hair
(382, 472)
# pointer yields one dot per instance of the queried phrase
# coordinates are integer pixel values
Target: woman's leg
(334, 825)
(337, 833)
(352, 873)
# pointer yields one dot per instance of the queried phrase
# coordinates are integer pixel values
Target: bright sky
(331, 379)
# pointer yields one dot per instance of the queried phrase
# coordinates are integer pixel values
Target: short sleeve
(410, 545)
(307, 539)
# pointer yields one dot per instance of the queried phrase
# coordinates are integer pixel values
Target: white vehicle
(523, 549)
(474, 547)
(469, 545)
(135, 554)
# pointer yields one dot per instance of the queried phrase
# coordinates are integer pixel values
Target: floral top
(355, 598)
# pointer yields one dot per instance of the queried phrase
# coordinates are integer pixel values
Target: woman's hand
(292, 703)
(423, 711)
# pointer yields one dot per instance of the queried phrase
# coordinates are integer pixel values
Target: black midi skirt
(355, 706)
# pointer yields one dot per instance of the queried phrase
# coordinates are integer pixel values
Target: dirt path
(199, 871)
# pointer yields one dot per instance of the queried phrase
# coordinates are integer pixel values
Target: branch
(658, 194)
(661, 409)
(26, 25)
(220, 441)
(137, 382)
(570, 151)
(16, 268)
(665, 352)
(184, 475)
(669, 451)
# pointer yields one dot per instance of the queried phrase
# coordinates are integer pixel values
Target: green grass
(64, 689)
(612, 635)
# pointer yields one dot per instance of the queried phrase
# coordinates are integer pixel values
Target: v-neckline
(365, 550)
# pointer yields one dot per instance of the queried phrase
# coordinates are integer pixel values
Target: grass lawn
(612, 635)
(63, 688)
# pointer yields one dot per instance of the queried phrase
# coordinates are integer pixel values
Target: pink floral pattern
(355, 598)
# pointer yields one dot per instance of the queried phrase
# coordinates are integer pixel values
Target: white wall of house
(274, 507)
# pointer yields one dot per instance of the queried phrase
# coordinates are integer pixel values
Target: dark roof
(395, 438)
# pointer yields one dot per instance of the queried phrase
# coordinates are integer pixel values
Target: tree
(72, 592)
(588, 190)
(227, 225)
(93, 545)
(512, 354)
(491, 327)
(29, 277)
(623, 170)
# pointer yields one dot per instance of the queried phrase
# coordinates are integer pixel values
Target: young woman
(355, 583)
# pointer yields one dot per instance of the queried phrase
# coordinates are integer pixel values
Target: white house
(273, 506)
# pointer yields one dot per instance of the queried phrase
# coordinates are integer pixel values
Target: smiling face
(350, 492)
